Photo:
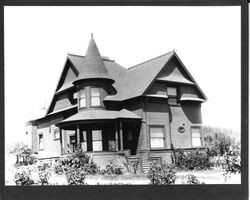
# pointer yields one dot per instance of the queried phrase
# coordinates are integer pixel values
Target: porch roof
(87, 115)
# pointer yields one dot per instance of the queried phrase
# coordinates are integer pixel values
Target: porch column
(121, 135)
(116, 136)
(61, 140)
(65, 141)
(77, 135)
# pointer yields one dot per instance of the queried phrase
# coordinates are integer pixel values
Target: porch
(101, 134)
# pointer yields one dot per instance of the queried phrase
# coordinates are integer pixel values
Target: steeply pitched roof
(129, 83)
(93, 66)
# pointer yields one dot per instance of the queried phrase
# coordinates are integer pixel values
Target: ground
(214, 176)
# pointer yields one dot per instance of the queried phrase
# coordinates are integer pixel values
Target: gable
(69, 74)
(174, 72)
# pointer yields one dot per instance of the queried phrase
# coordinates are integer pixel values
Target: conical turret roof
(93, 66)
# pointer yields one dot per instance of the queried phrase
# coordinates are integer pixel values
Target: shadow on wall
(192, 111)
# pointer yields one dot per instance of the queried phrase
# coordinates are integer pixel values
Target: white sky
(37, 40)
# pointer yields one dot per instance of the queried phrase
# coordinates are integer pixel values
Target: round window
(181, 129)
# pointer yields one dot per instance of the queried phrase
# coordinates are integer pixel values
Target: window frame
(96, 140)
(175, 97)
(163, 135)
(90, 97)
(55, 131)
(39, 146)
(80, 97)
(201, 137)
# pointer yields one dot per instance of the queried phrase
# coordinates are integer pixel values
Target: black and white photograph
(113, 95)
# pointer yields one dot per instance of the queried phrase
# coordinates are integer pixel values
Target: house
(110, 111)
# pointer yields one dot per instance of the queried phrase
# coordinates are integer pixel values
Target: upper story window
(172, 95)
(82, 99)
(95, 97)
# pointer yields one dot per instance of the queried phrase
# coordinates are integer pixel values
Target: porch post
(65, 141)
(77, 135)
(116, 136)
(121, 135)
(61, 140)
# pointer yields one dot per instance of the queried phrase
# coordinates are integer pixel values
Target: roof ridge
(151, 59)
(70, 54)
(103, 57)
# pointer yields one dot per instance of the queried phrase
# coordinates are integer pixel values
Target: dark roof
(92, 66)
(86, 115)
(129, 83)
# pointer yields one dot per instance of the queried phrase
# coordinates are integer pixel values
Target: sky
(37, 40)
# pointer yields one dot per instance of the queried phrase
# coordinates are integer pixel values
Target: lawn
(214, 176)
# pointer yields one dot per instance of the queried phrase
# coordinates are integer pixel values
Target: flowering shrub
(161, 173)
(77, 160)
(75, 176)
(23, 177)
(112, 169)
(44, 172)
(192, 160)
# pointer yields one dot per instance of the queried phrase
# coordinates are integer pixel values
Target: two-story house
(108, 110)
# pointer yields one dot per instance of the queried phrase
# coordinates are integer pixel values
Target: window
(156, 137)
(72, 143)
(172, 95)
(82, 98)
(40, 141)
(84, 141)
(95, 97)
(56, 134)
(97, 140)
(196, 137)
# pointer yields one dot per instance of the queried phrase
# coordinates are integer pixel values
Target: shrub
(192, 180)
(112, 169)
(161, 173)
(232, 159)
(44, 172)
(192, 160)
(77, 160)
(218, 140)
(75, 176)
(23, 178)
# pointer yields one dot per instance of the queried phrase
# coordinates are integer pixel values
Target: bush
(218, 140)
(23, 178)
(192, 180)
(75, 176)
(232, 159)
(112, 169)
(192, 160)
(44, 172)
(161, 173)
(77, 160)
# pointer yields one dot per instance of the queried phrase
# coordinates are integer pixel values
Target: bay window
(95, 97)
(82, 98)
